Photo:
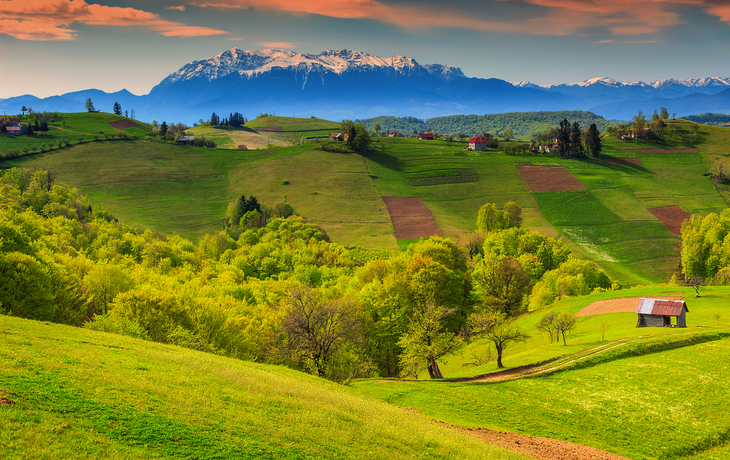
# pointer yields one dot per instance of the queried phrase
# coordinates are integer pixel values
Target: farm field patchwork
(180, 188)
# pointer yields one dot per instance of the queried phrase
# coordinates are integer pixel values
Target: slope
(72, 393)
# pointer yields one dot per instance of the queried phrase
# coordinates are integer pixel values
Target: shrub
(117, 325)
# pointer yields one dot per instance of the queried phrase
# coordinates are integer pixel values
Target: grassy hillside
(293, 130)
(69, 127)
(187, 189)
(630, 400)
(69, 393)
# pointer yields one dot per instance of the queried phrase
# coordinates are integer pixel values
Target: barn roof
(478, 139)
(661, 307)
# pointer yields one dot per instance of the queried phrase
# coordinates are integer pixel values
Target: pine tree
(575, 141)
(117, 108)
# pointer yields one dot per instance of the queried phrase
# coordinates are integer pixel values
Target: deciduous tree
(498, 329)
(89, 105)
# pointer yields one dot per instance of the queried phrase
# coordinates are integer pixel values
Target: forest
(275, 289)
(521, 124)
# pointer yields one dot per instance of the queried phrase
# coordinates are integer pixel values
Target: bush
(117, 325)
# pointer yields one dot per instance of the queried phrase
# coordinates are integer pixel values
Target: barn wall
(652, 320)
(682, 320)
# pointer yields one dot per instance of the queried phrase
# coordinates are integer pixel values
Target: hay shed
(661, 313)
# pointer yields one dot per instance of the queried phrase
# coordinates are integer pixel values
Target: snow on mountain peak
(254, 62)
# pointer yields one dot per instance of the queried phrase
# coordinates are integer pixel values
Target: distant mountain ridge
(354, 84)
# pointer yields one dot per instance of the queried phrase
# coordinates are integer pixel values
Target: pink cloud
(179, 8)
(277, 45)
(561, 17)
(49, 19)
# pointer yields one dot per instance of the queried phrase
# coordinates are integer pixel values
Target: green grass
(609, 222)
(70, 127)
(83, 394)
(657, 396)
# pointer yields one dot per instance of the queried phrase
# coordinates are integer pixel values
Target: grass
(72, 393)
(657, 396)
(609, 222)
(71, 127)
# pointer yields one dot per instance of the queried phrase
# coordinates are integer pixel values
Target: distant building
(13, 126)
(478, 143)
(659, 313)
(336, 137)
(184, 139)
(427, 136)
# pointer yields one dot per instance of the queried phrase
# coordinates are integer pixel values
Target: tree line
(272, 287)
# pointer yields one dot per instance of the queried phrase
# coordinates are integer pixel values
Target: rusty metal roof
(661, 307)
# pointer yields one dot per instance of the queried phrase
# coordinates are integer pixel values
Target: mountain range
(352, 84)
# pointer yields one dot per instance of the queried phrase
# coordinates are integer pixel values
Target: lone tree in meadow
(498, 329)
(89, 105)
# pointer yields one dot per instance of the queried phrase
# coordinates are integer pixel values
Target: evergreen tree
(563, 135)
(593, 141)
(575, 141)
(163, 128)
(117, 108)
(89, 105)
(214, 120)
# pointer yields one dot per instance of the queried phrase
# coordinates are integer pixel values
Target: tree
(104, 282)
(126, 113)
(214, 120)
(508, 134)
(155, 127)
(23, 110)
(356, 136)
(426, 340)
(558, 324)
(163, 128)
(592, 140)
(576, 146)
(655, 117)
(131, 114)
(89, 105)
(317, 327)
(563, 136)
(498, 329)
(117, 108)
(695, 282)
(663, 113)
(639, 123)
(501, 283)
(490, 218)
(377, 128)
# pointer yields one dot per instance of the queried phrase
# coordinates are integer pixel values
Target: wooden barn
(659, 313)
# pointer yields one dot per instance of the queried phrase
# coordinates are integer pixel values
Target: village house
(659, 313)
(427, 136)
(336, 137)
(478, 143)
(13, 126)
(184, 139)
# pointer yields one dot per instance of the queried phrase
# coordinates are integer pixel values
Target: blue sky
(50, 47)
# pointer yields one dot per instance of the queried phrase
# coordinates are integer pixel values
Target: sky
(51, 47)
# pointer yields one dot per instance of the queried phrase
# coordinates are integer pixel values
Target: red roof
(661, 307)
(427, 136)
(478, 140)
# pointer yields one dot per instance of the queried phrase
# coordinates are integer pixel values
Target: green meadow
(72, 393)
(648, 393)
(186, 190)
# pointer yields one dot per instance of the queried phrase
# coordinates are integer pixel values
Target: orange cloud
(561, 17)
(277, 45)
(179, 8)
(50, 19)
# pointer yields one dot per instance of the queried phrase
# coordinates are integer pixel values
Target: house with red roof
(336, 137)
(13, 126)
(427, 136)
(659, 313)
(478, 143)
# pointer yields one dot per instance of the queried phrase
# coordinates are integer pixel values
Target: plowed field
(411, 218)
(620, 305)
(548, 179)
(671, 216)
(123, 124)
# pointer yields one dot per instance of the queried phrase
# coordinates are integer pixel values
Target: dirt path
(539, 448)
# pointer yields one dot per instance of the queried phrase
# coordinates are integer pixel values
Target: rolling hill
(186, 190)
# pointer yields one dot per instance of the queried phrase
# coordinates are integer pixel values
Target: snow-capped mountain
(256, 62)
(719, 82)
(353, 84)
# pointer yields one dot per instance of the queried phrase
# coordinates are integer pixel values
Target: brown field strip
(624, 161)
(269, 128)
(123, 124)
(620, 305)
(671, 216)
(411, 218)
(661, 150)
(548, 179)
